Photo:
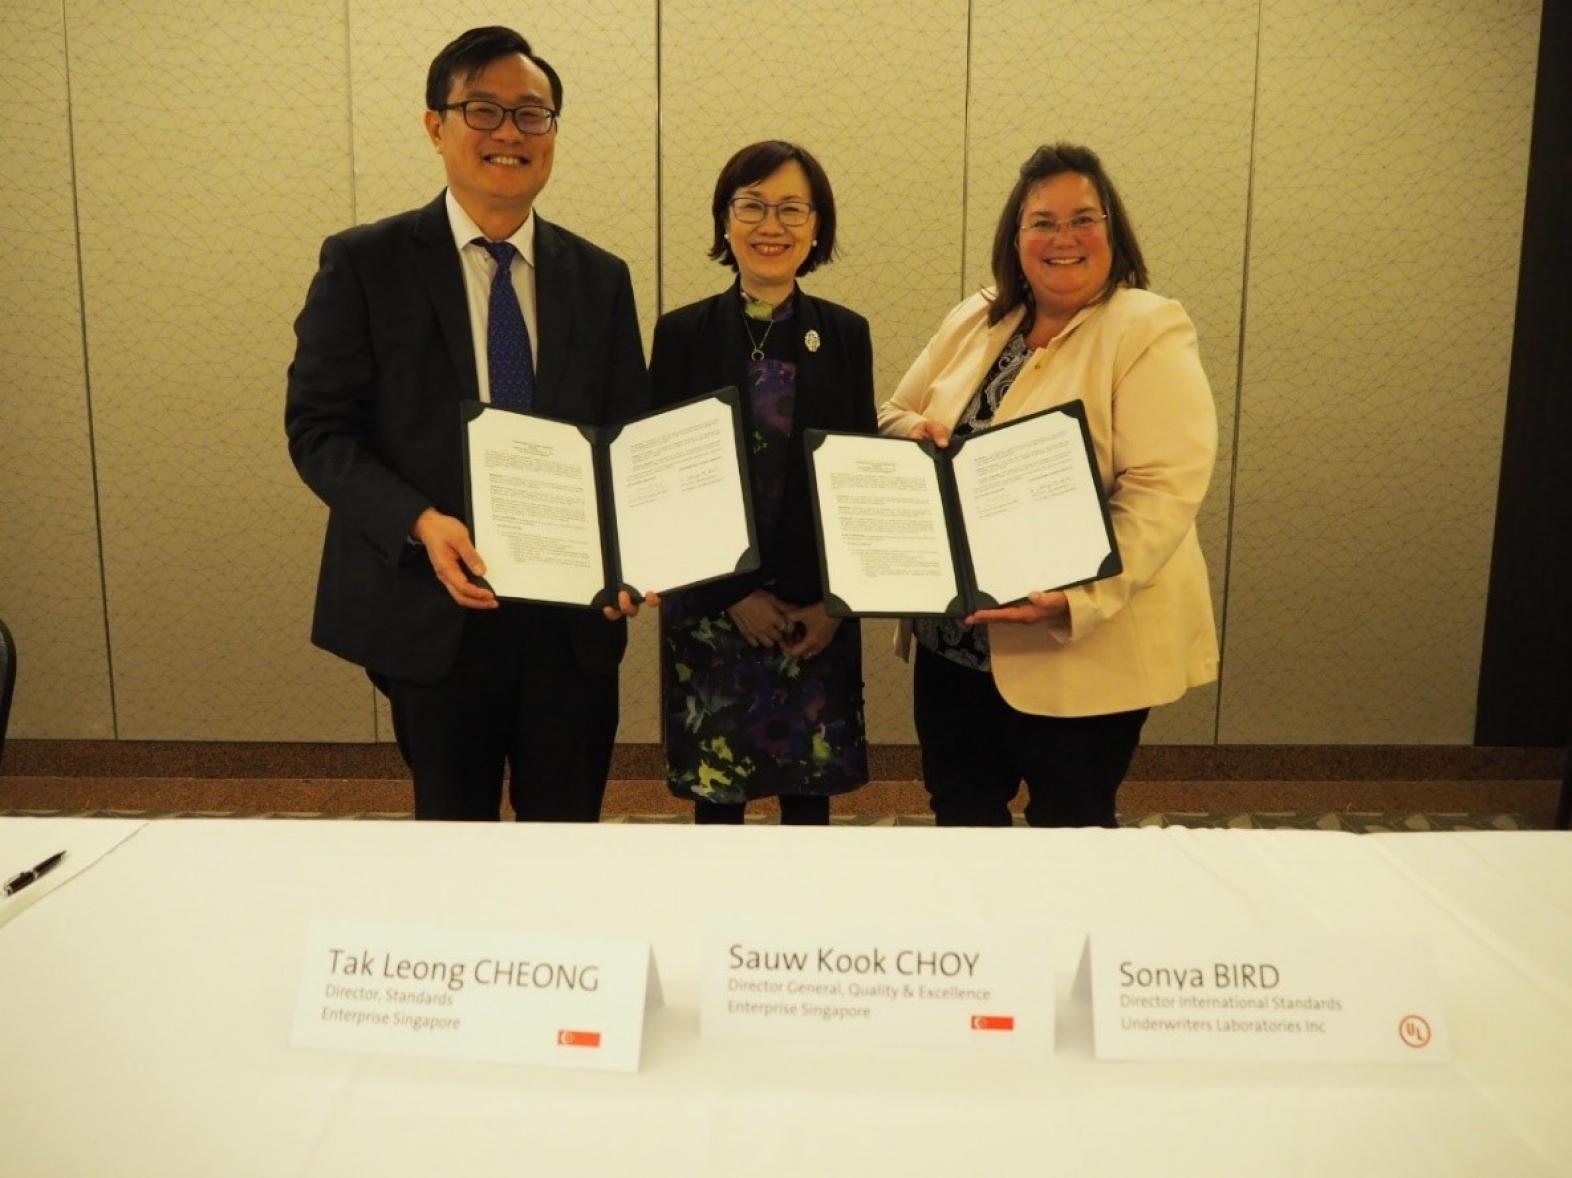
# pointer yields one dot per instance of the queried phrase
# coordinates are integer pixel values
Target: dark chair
(7, 680)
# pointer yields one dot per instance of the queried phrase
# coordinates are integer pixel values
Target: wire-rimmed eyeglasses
(750, 210)
(1080, 225)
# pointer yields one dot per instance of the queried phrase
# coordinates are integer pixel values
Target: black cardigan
(703, 347)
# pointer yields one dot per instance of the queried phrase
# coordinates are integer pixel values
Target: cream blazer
(1146, 636)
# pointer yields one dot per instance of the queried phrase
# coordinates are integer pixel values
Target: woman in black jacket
(761, 689)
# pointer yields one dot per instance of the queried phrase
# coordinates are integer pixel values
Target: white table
(146, 1005)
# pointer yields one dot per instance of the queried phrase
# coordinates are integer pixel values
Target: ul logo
(1414, 1031)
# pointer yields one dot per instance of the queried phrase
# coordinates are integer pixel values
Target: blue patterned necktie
(508, 360)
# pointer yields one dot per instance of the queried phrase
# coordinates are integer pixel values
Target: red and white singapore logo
(993, 1022)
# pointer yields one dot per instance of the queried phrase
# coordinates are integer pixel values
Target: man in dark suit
(472, 296)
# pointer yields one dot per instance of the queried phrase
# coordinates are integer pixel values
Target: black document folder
(570, 514)
(906, 529)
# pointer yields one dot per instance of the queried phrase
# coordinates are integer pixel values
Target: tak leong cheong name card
(988, 986)
(464, 994)
(1308, 996)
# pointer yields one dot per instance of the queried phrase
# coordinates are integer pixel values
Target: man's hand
(938, 434)
(626, 607)
(760, 618)
(1037, 607)
(811, 630)
(447, 544)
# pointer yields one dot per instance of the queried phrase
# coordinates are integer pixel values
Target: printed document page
(532, 491)
(1030, 505)
(676, 480)
(886, 548)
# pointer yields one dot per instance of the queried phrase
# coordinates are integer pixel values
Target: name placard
(988, 986)
(564, 1002)
(1307, 996)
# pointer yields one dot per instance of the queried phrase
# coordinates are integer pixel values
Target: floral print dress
(745, 722)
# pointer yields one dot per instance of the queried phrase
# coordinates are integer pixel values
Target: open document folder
(570, 514)
(909, 530)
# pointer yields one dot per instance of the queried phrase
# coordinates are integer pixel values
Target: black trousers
(976, 750)
(516, 696)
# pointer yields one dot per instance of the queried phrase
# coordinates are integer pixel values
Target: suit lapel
(442, 278)
(810, 369)
(554, 277)
(719, 355)
(728, 356)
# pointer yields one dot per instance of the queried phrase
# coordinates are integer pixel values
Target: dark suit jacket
(383, 357)
(704, 346)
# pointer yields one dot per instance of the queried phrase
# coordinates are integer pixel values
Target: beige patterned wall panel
(876, 90)
(603, 179)
(212, 156)
(1390, 166)
(50, 585)
(1163, 91)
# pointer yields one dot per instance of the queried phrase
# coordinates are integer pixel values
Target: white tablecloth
(146, 1006)
(25, 844)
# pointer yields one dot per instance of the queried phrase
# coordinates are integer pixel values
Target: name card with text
(991, 986)
(1307, 996)
(565, 1002)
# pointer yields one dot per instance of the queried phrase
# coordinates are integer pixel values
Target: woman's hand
(931, 430)
(1038, 607)
(811, 630)
(760, 618)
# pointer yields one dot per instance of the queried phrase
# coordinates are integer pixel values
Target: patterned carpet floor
(1357, 823)
(1354, 788)
(1359, 806)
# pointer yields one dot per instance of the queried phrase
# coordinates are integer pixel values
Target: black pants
(796, 810)
(516, 696)
(976, 750)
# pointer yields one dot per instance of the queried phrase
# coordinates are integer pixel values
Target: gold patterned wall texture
(210, 158)
(51, 592)
(1384, 247)
(1334, 193)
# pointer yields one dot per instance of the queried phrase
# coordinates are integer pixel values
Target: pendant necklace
(758, 344)
(753, 308)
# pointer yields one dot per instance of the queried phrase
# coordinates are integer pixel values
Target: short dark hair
(472, 51)
(756, 162)
(1010, 286)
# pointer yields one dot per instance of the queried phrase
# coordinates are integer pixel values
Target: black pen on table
(19, 881)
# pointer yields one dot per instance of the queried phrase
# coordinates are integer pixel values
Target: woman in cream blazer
(1055, 690)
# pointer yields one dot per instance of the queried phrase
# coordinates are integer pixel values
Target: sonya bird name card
(1308, 996)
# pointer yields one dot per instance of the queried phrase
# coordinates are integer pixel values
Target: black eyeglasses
(480, 115)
